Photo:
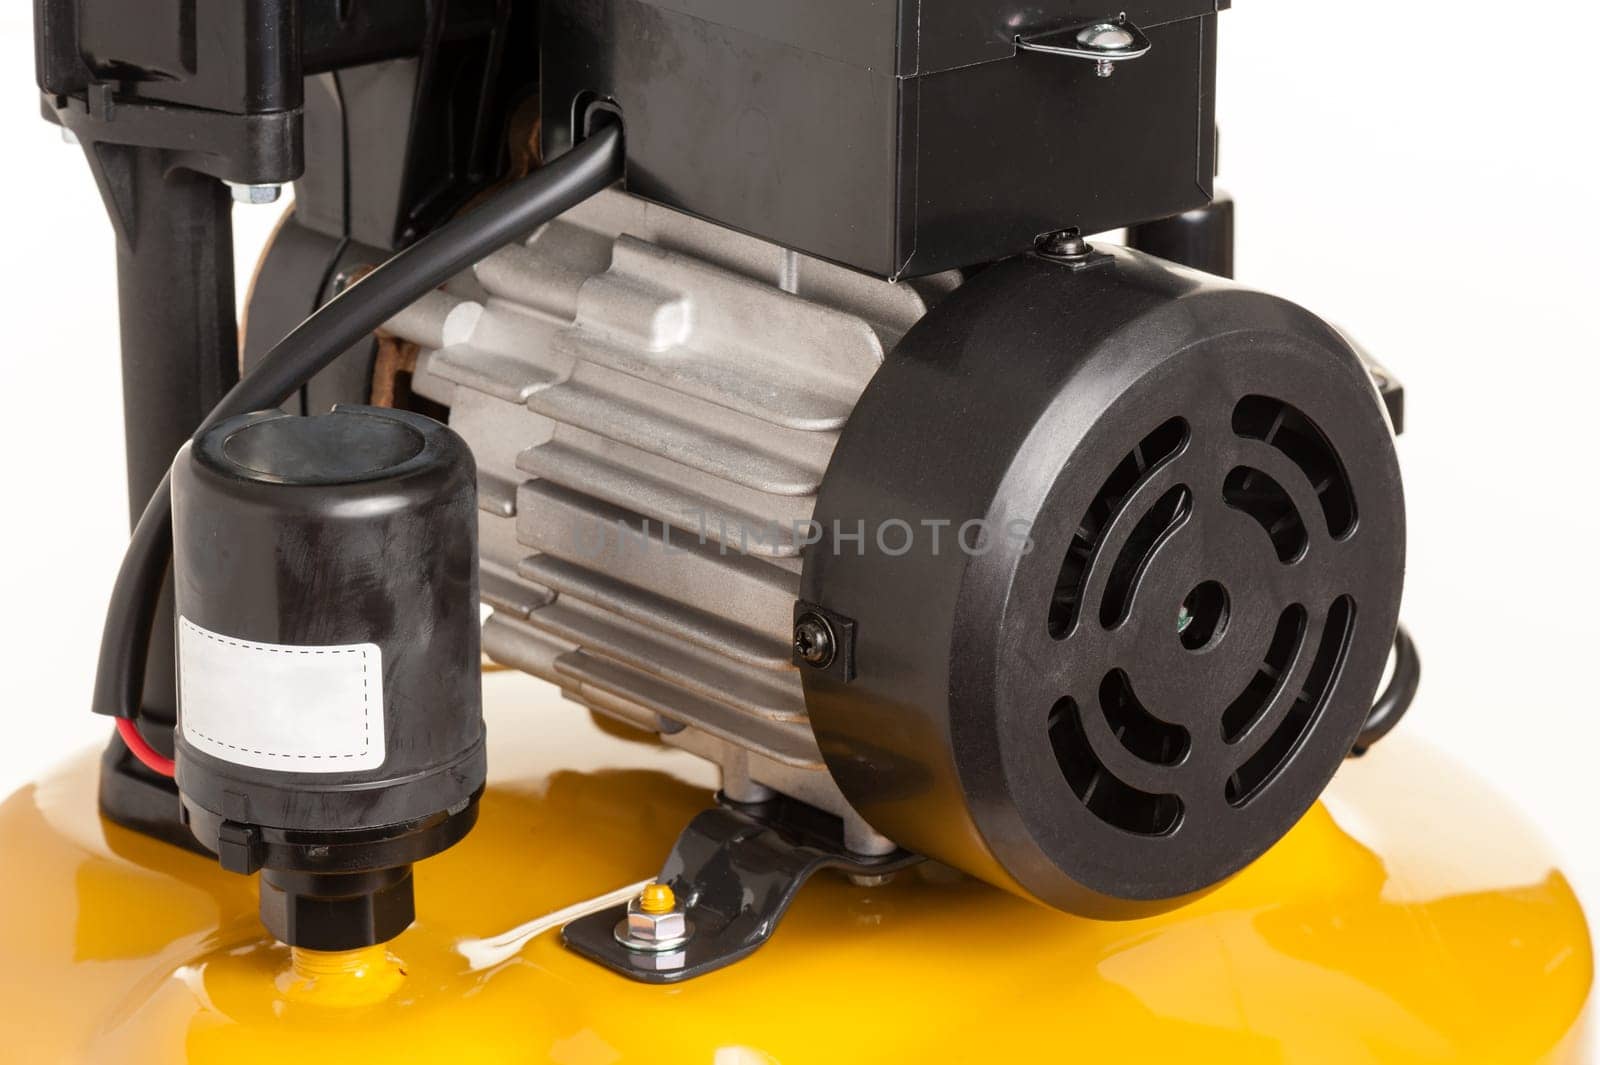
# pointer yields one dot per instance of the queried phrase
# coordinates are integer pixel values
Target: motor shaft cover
(1114, 552)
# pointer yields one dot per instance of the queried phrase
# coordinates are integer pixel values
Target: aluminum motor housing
(670, 428)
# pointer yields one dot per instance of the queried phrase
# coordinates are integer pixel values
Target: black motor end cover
(1123, 549)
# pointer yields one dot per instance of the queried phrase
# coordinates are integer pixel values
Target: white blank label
(274, 706)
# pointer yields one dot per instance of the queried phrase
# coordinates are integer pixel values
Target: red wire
(141, 749)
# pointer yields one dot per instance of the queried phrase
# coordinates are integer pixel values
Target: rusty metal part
(396, 357)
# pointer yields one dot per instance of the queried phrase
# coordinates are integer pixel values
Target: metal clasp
(1105, 42)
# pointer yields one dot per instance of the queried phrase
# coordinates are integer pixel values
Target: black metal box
(900, 137)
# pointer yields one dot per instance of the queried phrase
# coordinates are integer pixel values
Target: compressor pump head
(330, 727)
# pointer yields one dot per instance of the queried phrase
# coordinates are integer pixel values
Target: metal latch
(1105, 42)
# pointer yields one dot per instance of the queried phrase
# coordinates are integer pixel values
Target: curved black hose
(1396, 698)
(344, 320)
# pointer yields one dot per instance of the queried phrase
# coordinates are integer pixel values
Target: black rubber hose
(1396, 698)
(334, 328)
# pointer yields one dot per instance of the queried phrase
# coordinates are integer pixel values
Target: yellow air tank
(1409, 917)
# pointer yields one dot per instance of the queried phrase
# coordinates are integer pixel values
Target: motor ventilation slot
(1156, 449)
(1247, 709)
(1259, 769)
(1161, 521)
(1136, 728)
(1109, 798)
(1284, 427)
(1264, 499)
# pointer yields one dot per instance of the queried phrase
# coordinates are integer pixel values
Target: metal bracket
(1104, 42)
(734, 870)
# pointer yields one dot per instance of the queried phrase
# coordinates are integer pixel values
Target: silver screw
(1105, 37)
(254, 195)
(813, 641)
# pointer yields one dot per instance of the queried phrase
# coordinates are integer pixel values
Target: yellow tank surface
(1408, 918)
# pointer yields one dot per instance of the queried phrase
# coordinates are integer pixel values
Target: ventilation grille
(1130, 764)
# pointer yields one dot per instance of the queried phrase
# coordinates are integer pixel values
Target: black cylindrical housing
(330, 717)
(1168, 577)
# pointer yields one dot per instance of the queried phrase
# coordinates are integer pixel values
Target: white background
(1427, 182)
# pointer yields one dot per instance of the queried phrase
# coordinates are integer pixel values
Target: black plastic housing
(351, 529)
(900, 137)
(1161, 632)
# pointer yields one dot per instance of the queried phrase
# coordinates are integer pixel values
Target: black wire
(1396, 698)
(344, 320)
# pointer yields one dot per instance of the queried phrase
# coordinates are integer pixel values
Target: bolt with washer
(1105, 37)
(814, 642)
(656, 924)
(1064, 244)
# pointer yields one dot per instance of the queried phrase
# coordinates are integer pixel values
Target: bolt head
(254, 195)
(1067, 244)
(1105, 37)
(814, 642)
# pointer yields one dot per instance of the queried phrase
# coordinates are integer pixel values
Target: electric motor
(330, 727)
(1078, 574)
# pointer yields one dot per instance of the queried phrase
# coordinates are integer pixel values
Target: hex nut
(657, 927)
(653, 933)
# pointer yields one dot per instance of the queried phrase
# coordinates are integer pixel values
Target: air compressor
(709, 544)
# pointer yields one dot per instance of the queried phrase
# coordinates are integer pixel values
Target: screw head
(814, 642)
(1065, 244)
(1105, 37)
